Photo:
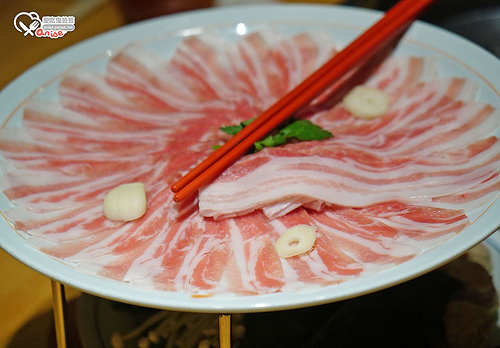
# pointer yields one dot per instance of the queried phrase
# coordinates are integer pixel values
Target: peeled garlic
(296, 240)
(366, 102)
(125, 202)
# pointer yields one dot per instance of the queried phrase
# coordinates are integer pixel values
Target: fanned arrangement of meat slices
(378, 193)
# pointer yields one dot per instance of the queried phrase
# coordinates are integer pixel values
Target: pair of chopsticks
(393, 24)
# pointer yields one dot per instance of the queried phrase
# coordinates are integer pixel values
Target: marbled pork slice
(433, 142)
(150, 119)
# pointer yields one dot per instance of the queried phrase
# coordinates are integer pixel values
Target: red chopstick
(382, 33)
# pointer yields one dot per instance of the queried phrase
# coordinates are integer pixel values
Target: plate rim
(258, 303)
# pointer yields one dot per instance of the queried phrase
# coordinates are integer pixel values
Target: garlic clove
(125, 202)
(296, 240)
(366, 102)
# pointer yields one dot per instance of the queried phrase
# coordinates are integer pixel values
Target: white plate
(457, 56)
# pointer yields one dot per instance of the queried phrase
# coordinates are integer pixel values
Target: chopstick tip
(177, 199)
(182, 194)
(175, 188)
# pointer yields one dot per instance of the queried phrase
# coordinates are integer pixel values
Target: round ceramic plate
(457, 56)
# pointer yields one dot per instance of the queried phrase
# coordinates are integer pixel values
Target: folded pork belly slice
(433, 142)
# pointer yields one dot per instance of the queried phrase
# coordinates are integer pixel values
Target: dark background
(476, 20)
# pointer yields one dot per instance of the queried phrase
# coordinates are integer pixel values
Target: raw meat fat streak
(379, 193)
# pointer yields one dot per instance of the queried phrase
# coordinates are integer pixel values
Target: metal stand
(224, 330)
(59, 308)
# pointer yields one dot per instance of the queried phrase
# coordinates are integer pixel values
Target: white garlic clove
(296, 240)
(125, 202)
(366, 102)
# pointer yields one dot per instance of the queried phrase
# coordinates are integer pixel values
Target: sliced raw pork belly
(378, 192)
(435, 141)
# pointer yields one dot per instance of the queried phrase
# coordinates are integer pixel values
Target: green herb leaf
(302, 130)
(305, 130)
(271, 141)
(232, 130)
